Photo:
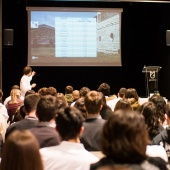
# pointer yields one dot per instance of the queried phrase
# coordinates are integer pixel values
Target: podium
(151, 76)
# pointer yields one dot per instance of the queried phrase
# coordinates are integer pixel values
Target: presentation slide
(74, 36)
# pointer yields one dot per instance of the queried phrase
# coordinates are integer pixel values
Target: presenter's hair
(21, 151)
(27, 70)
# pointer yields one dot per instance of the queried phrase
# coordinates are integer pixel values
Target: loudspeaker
(168, 37)
(8, 37)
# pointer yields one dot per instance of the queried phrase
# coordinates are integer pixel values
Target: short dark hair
(104, 88)
(69, 122)
(47, 108)
(29, 92)
(30, 102)
(93, 102)
(123, 104)
(68, 89)
(122, 92)
(83, 91)
(124, 137)
(27, 70)
(51, 90)
(131, 93)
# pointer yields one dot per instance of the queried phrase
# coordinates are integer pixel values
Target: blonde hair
(15, 95)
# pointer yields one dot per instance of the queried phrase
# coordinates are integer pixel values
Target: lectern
(151, 75)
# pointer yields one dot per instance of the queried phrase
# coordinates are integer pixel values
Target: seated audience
(30, 120)
(83, 91)
(68, 94)
(123, 104)
(163, 138)
(124, 141)
(120, 95)
(9, 97)
(79, 104)
(106, 111)
(70, 154)
(132, 96)
(21, 152)
(51, 91)
(44, 131)
(14, 103)
(94, 123)
(20, 112)
(76, 96)
(150, 113)
(160, 103)
(43, 91)
(62, 100)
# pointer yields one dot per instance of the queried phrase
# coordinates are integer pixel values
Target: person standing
(25, 84)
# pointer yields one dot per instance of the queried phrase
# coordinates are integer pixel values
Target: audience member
(14, 103)
(105, 89)
(160, 103)
(70, 154)
(75, 95)
(106, 111)
(123, 104)
(163, 138)
(26, 79)
(44, 131)
(150, 113)
(62, 100)
(124, 141)
(30, 121)
(132, 96)
(43, 91)
(79, 104)
(94, 123)
(68, 94)
(21, 152)
(20, 112)
(120, 95)
(9, 97)
(83, 91)
(51, 91)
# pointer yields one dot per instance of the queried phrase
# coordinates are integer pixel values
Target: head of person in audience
(104, 103)
(29, 92)
(104, 88)
(150, 113)
(75, 95)
(62, 100)
(20, 112)
(30, 104)
(79, 104)
(21, 151)
(93, 102)
(51, 91)
(42, 91)
(132, 95)
(83, 91)
(124, 137)
(121, 92)
(47, 108)
(15, 95)
(70, 124)
(123, 104)
(160, 103)
(68, 89)
(27, 71)
(167, 113)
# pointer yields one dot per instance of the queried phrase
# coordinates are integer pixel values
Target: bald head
(75, 94)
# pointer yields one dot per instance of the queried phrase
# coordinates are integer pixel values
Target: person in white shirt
(70, 154)
(25, 84)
